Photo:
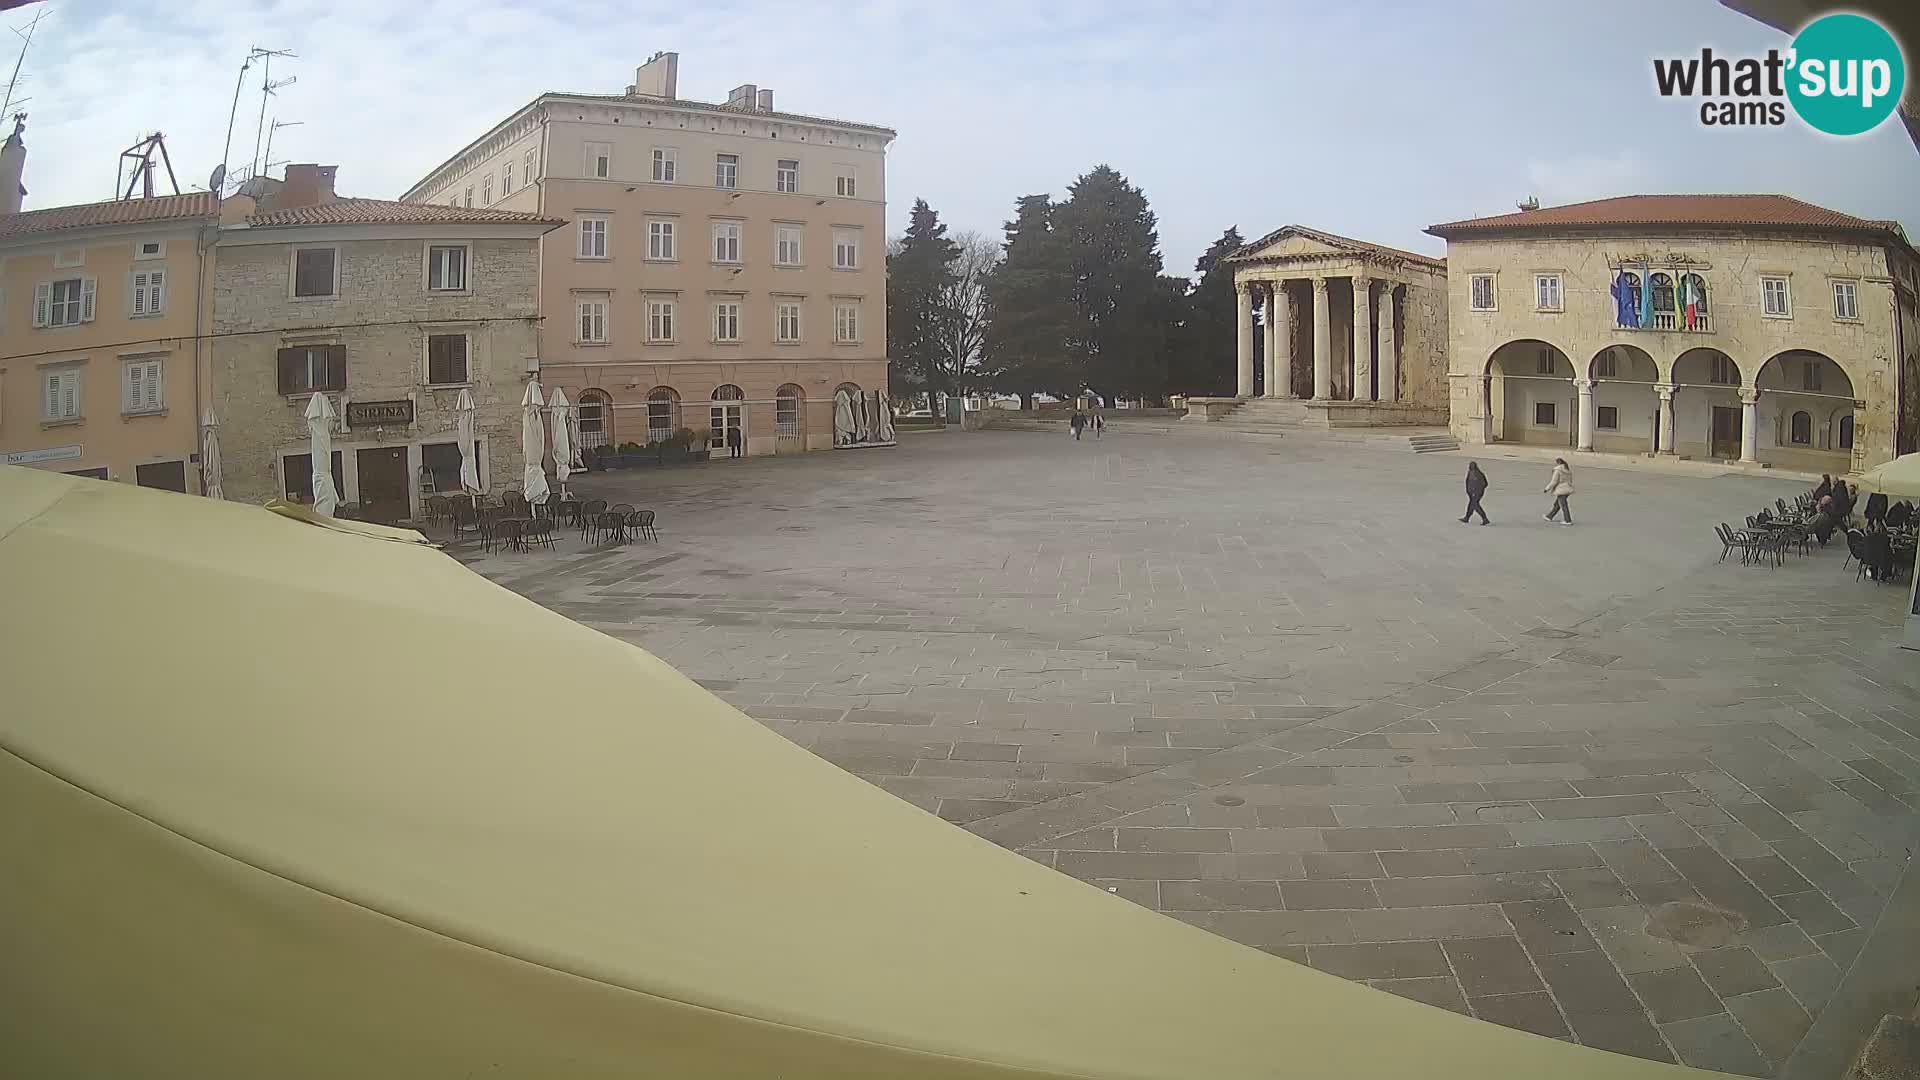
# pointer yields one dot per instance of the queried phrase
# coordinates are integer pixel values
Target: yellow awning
(285, 801)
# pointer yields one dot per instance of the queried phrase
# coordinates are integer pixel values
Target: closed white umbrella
(886, 417)
(210, 485)
(564, 444)
(469, 452)
(320, 446)
(842, 418)
(533, 444)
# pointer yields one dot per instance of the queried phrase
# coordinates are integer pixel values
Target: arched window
(1662, 293)
(596, 418)
(729, 392)
(1801, 429)
(1697, 292)
(786, 409)
(663, 413)
(728, 418)
(1846, 432)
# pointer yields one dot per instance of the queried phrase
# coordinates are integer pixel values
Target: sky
(1369, 120)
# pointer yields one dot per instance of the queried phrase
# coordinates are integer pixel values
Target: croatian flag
(1692, 302)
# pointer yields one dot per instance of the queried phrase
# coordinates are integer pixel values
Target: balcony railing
(1673, 322)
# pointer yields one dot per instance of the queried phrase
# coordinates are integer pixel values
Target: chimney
(742, 97)
(307, 185)
(766, 101)
(13, 164)
(1529, 204)
(659, 77)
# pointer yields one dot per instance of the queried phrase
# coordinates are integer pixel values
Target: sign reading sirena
(379, 413)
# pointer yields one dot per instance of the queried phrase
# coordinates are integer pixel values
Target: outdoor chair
(590, 512)
(1782, 505)
(439, 509)
(610, 527)
(538, 531)
(1856, 552)
(641, 522)
(620, 508)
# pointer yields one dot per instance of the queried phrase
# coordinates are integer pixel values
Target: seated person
(1900, 515)
(1876, 509)
(1825, 489)
(1879, 553)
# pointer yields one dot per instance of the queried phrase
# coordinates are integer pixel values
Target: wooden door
(1726, 432)
(383, 484)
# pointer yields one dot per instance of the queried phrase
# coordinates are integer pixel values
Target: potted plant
(696, 443)
(630, 454)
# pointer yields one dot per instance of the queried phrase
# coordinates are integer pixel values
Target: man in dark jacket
(1476, 487)
(733, 442)
(1825, 489)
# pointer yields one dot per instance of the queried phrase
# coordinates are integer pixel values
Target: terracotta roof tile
(1338, 241)
(390, 212)
(1726, 211)
(197, 204)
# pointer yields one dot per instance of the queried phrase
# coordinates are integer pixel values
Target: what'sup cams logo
(1842, 75)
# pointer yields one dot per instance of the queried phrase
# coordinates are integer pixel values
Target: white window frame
(593, 234)
(846, 182)
(431, 257)
(62, 397)
(486, 190)
(591, 314)
(1473, 293)
(786, 175)
(597, 161)
(293, 273)
(786, 244)
(1850, 290)
(146, 292)
(660, 321)
(142, 386)
(846, 322)
(782, 424)
(663, 240)
(666, 165)
(1600, 425)
(426, 358)
(526, 168)
(1547, 295)
(846, 249)
(726, 322)
(80, 305)
(159, 250)
(786, 322)
(726, 172)
(506, 180)
(726, 241)
(1785, 310)
(469, 197)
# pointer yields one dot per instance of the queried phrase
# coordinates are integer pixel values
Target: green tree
(919, 273)
(1204, 361)
(1029, 302)
(1121, 307)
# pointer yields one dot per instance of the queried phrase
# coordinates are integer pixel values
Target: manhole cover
(1229, 800)
(1550, 632)
(1699, 925)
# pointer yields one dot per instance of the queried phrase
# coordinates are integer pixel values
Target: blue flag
(1646, 295)
(1624, 305)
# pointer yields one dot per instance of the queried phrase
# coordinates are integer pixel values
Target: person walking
(1560, 486)
(1079, 421)
(1099, 424)
(1476, 487)
(733, 442)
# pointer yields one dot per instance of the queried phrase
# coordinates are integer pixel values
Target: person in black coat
(1876, 509)
(733, 442)
(1476, 487)
(1825, 489)
(1900, 515)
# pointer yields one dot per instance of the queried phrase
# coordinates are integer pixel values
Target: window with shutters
(62, 397)
(1480, 292)
(660, 240)
(590, 318)
(846, 323)
(1846, 300)
(593, 238)
(486, 191)
(843, 184)
(446, 268)
(1546, 292)
(846, 249)
(726, 321)
(506, 180)
(787, 322)
(305, 369)
(314, 274)
(660, 321)
(726, 241)
(786, 245)
(447, 360)
(141, 386)
(786, 175)
(148, 293)
(526, 168)
(666, 164)
(66, 302)
(726, 171)
(1775, 301)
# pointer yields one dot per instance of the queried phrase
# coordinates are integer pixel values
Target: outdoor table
(615, 526)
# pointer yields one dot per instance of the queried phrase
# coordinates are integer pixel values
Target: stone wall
(383, 316)
(1423, 342)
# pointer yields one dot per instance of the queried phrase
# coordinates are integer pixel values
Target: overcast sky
(1373, 121)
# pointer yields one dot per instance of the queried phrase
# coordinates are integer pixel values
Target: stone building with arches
(1752, 328)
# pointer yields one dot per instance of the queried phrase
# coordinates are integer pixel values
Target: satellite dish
(218, 179)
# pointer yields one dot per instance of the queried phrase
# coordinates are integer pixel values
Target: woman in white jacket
(1560, 486)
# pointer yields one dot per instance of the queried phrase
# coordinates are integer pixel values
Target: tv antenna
(266, 57)
(13, 81)
(141, 156)
(267, 162)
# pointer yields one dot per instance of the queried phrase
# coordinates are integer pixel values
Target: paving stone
(1773, 1020)
(1156, 865)
(1428, 924)
(1219, 895)
(1441, 793)
(1440, 992)
(1528, 789)
(1418, 837)
(1269, 840)
(1576, 831)
(1628, 1033)
(1177, 839)
(1471, 889)
(1521, 860)
(1715, 1042)
(1494, 966)
(1814, 913)
(1633, 785)
(1534, 1012)
(1773, 876)
(1144, 893)
(1811, 979)
(1590, 887)
(1622, 934)
(1585, 983)
(1783, 942)
(1733, 970)
(1722, 884)
(1262, 928)
(1296, 817)
(1666, 832)
(1676, 993)
(1265, 866)
(1429, 863)
(1320, 895)
(1842, 948)
(1382, 960)
(1608, 807)
(1549, 927)
(1342, 864)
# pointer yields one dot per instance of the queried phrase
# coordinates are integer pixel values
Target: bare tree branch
(963, 304)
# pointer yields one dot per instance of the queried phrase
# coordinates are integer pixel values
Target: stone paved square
(1588, 782)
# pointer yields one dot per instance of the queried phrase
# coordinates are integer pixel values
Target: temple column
(1279, 342)
(1322, 346)
(1362, 338)
(1749, 425)
(1389, 352)
(1665, 390)
(1243, 295)
(1584, 440)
